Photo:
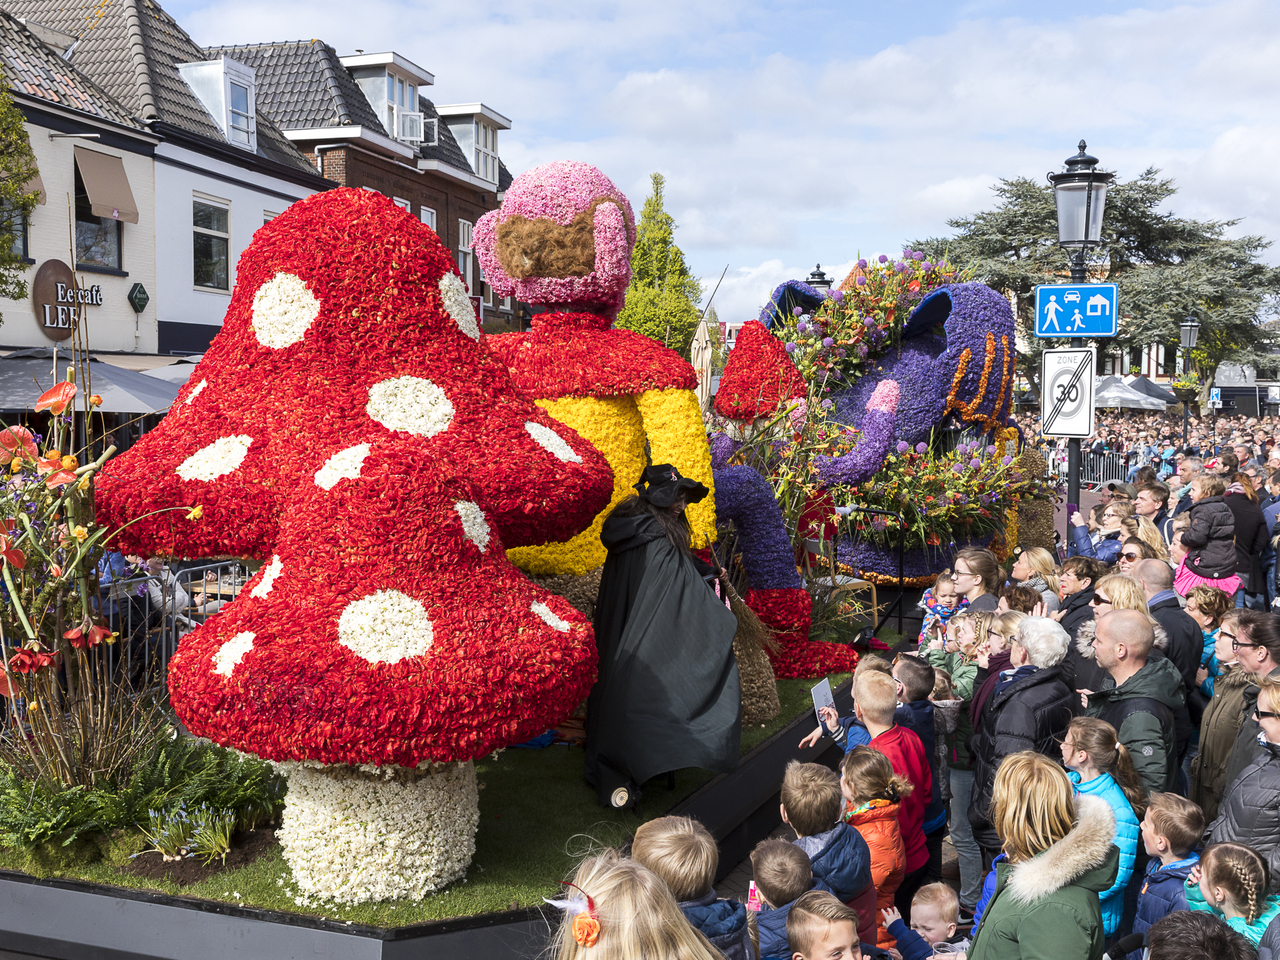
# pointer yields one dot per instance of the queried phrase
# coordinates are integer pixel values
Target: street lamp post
(1080, 195)
(819, 280)
(1189, 332)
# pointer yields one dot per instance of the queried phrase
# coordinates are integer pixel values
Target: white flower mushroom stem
(360, 834)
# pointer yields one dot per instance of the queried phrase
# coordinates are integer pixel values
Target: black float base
(70, 920)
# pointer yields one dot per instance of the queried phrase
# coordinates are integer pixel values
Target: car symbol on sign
(1071, 296)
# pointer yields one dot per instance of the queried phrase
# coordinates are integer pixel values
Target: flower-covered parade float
(348, 428)
(840, 400)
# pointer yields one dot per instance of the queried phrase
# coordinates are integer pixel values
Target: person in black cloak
(668, 694)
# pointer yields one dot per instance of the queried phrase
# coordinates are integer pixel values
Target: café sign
(57, 301)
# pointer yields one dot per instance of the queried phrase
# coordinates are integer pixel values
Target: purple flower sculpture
(791, 347)
(927, 265)
(746, 498)
(862, 264)
(917, 255)
(957, 468)
(826, 404)
(837, 296)
(802, 327)
(861, 281)
(903, 446)
(1006, 460)
(991, 449)
(975, 463)
(922, 448)
(828, 342)
(797, 311)
(882, 259)
(722, 448)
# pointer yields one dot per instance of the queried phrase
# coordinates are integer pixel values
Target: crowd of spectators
(1107, 769)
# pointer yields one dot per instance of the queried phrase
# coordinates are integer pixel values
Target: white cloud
(790, 135)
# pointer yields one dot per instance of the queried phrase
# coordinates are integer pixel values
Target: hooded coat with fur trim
(1048, 906)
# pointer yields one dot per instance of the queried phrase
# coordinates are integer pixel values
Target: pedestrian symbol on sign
(1051, 310)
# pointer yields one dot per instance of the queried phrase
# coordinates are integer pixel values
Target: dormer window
(486, 151)
(226, 89)
(241, 122)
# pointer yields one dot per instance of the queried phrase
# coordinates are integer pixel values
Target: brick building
(364, 122)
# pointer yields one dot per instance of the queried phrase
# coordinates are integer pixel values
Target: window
(97, 238)
(427, 216)
(486, 151)
(211, 243)
(464, 251)
(14, 222)
(402, 204)
(268, 216)
(1170, 366)
(241, 130)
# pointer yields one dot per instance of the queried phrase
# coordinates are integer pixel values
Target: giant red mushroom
(349, 428)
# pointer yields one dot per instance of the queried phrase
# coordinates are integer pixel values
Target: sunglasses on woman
(1131, 556)
(1098, 601)
(1261, 714)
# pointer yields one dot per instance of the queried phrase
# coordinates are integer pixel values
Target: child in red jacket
(875, 699)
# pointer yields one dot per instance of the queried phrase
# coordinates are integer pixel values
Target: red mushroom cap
(348, 325)
(388, 628)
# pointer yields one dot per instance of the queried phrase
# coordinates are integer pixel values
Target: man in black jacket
(1186, 639)
(1029, 709)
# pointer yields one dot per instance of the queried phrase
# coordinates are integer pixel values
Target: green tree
(662, 300)
(1166, 267)
(17, 169)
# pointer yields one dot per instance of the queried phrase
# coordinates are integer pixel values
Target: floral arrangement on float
(562, 239)
(349, 428)
(838, 398)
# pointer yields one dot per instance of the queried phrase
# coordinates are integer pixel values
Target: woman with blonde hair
(1146, 531)
(1060, 858)
(615, 909)
(1035, 568)
(1117, 591)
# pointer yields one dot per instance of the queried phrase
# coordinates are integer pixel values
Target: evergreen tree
(1167, 268)
(17, 169)
(662, 300)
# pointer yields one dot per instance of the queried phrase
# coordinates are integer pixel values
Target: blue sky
(793, 133)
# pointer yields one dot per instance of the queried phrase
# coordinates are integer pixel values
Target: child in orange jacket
(872, 793)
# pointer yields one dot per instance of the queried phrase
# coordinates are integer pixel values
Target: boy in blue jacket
(782, 873)
(1171, 829)
(811, 806)
(684, 856)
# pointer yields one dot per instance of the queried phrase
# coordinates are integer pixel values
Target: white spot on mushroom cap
(229, 655)
(217, 459)
(283, 309)
(343, 465)
(191, 397)
(551, 441)
(458, 305)
(385, 627)
(274, 569)
(474, 525)
(549, 618)
(410, 404)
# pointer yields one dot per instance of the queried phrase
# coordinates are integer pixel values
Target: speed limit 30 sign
(1066, 395)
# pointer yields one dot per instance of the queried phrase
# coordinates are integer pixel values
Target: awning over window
(34, 184)
(107, 185)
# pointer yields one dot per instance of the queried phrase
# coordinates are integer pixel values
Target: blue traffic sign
(1076, 310)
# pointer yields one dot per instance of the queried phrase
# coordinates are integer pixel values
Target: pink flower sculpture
(551, 209)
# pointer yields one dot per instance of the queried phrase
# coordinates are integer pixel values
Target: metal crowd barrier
(1096, 469)
(151, 614)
